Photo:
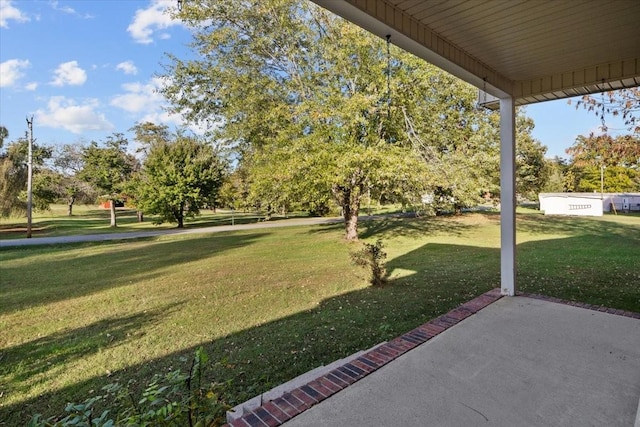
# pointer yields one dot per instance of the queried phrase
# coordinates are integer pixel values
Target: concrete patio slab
(520, 361)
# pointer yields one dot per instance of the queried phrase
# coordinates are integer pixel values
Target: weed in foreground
(174, 399)
(372, 256)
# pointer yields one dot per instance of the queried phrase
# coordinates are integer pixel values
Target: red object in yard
(107, 204)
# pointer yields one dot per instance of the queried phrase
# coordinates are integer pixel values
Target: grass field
(92, 219)
(271, 304)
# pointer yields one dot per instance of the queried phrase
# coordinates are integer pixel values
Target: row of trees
(13, 176)
(172, 177)
(598, 162)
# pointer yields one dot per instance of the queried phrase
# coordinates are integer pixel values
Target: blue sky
(84, 68)
(87, 68)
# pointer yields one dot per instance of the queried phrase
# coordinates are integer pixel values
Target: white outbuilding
(588, 204)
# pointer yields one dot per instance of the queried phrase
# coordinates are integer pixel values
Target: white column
(507, 197)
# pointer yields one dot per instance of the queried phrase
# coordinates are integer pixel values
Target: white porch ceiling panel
(532, 50)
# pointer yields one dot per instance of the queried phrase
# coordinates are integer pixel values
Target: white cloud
(31, 86)
(140, 97)
(64, 113)
(128, 67)
(146, 103)
(68, 10)
(69, 73)
(11, 71)
(150, 20)
(65, 9)
(9, 12)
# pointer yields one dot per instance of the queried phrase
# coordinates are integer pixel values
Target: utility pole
(602, 167)
(29, 177)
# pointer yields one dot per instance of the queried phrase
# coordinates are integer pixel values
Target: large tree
(68, 161)
(179, 176)
(605, 162)
(558, 180)
(533, 170)
(108, 166)
(315, 107)
(606, 150)
(13, 177)
(302, 98)
(4, 134)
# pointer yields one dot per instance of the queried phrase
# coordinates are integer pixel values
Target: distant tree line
(598, 162)
(171, 176)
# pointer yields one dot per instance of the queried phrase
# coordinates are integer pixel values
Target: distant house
(588, 204)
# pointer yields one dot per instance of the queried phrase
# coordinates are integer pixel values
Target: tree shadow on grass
(412, 227)
(43, 355)
(389, 226)
(94, 219)
(261, 357)
(545, 224)
(424, 283)
(125, 261)
(97, 222)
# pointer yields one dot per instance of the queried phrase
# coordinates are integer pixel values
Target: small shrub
(174, 399)
(372, 256)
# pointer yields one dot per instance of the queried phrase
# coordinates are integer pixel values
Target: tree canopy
(4, 134)
(108, 166)
(68, 161)
(13, 177)
(179, 176)
(604, 162)
(319, 111)
(533, 170)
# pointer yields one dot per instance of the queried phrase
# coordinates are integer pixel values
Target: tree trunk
(112, 208)
(349, 199)
(351, 222)
(179, 215)
(140, 216)
(70, 202)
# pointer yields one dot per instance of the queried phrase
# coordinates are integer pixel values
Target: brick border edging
(276, 412)
(599, 308)
(280, 410)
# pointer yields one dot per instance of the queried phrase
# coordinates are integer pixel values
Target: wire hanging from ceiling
(388, 76)
(602, 113)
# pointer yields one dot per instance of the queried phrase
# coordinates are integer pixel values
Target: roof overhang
(530, 50)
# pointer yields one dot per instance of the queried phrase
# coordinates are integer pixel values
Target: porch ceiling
(531, 50)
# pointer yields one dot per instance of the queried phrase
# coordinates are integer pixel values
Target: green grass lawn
(271, 304)
(92, 219)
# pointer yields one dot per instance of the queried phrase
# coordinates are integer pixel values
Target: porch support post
(507, 197)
